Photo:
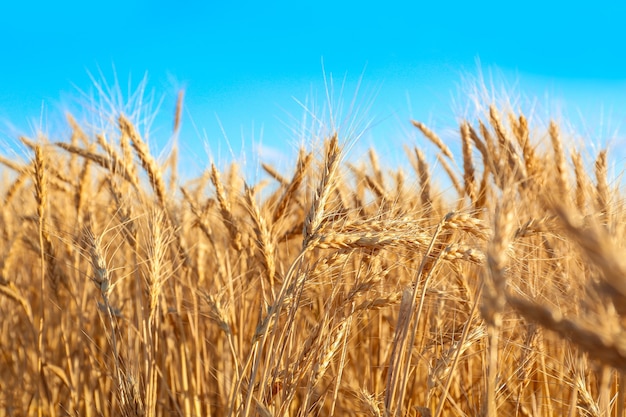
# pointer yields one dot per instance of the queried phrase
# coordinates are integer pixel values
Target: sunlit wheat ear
(317, 211)
(602, 187)
(106, 161)
(531, 162)
(468, 164)
(41, 184)
(100, 277)
(226, 210)
(264, 240)
(120, 164)
(52, 273)
(83, 191)
(516, 170)
(148, 162)
(424, 177)
(478, 142)
(432, 136)
(582, 182)
(487, 164)
(274, 173)
(290, 193)
(559, 159)
(378, 189)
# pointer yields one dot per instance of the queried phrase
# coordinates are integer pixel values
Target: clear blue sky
(244, 63)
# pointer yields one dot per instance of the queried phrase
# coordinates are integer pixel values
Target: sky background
(249, 69)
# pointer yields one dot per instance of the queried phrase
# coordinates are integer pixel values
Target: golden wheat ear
(148, 162)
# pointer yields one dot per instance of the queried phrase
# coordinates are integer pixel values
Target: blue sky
(247, 64)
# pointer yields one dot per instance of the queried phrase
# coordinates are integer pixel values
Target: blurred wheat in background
(336, 288)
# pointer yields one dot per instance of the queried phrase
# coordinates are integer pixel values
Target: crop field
(333, 288)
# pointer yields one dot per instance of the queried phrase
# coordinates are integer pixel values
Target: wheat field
(336, 288)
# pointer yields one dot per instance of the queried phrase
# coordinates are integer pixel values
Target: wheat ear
(522, 134)
(432, 136)
(424, 177)
(147, 160)
(602, 187)
(315, 217)
(225, 210)
(105, 161)
(582, 181)
(304, 160)
(468, 164)
(263, 239)
(559, 158)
